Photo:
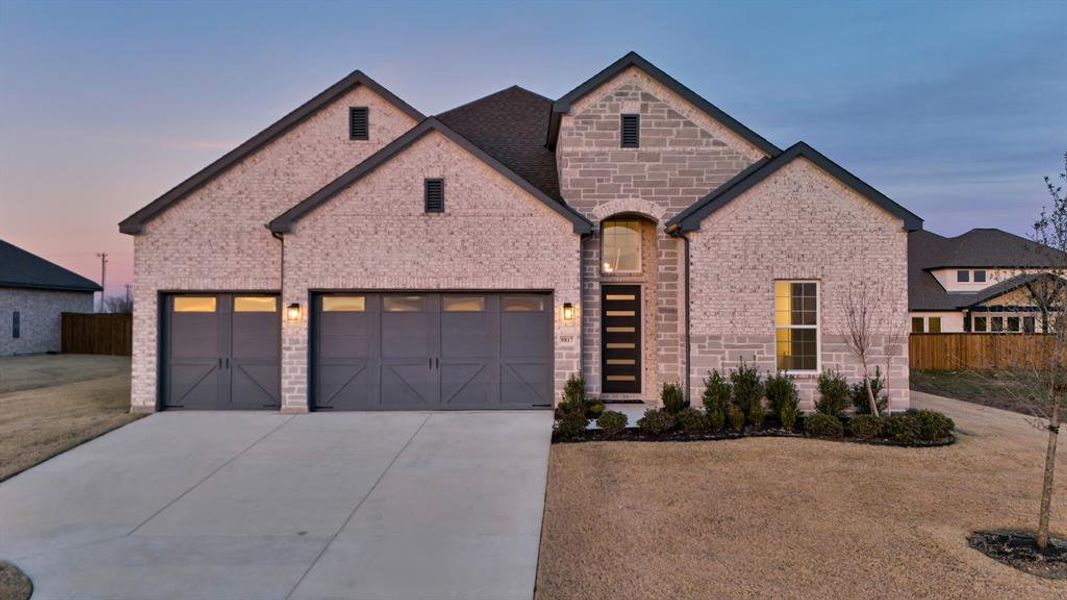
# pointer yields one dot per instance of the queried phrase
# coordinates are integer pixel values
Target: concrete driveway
(256, 505)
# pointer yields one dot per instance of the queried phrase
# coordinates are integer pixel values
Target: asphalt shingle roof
(978, 248)
(510, 126)
(20, 269)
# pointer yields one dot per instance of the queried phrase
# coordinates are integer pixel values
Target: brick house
(358, 255)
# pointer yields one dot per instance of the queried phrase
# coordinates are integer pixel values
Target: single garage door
(221, 351)
(432, 351)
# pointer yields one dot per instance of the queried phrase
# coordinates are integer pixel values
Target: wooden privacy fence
(978, 351)
(85, 333)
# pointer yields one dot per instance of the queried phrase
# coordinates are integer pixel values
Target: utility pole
(103, 278)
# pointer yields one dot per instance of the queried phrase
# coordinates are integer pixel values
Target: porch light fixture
(568, 311)
(292, 312)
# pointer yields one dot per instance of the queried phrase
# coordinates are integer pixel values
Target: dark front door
(221, 351)
(420, 351)
(620, 334)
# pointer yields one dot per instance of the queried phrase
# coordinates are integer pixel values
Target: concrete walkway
(257, 505)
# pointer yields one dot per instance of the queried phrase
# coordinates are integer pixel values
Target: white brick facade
(39, 318)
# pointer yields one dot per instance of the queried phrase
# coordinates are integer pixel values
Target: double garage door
(369, 351)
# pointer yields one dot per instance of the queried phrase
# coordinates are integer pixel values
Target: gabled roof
(1010, 285)
(20, 269)
(690, 218)
(632, 59)
(134, 224)
(284, 222)
(978, 248)
(510, 126)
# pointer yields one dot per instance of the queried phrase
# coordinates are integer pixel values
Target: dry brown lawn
(795, 518)
(49, 404)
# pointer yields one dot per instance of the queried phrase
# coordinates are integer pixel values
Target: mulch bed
(1019, 550)
(14, 585)
(631, 434)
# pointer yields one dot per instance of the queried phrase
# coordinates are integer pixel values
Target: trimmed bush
(672, 397)
(691, 420)
(612, 422)
(717, 392)
(656, 422)
(593, 407)
(788, 416)
(932, 424)
(903, 428)
(748, 388)
(823, 425)
(865, 427)
(858, 393)
(781, 391)
(755, 418)
(833, 393)
(570, 424)
(737, 419)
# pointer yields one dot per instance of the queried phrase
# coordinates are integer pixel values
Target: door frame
(639, 363)
(314, 294)
(162, 320)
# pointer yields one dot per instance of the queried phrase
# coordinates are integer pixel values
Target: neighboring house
(984, 281)
(359, 255)
(33, 294)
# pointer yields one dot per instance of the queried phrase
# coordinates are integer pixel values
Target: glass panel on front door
(620, 334)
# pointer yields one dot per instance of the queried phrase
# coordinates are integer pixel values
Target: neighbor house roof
(690, 218)
(632, 59)
(284, 222)
(134, 224)
(20, 269)
(978, 248)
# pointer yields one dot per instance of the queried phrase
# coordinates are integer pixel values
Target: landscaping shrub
(691, 420)
(656, 422)
(612, 422)
(717, 392)
(593, 407)
(788, 416)
(932, 424)
(672, 397)
(861, 402)
(780, 391)
(823, 425)
(866, 427)
(737, 418)
(570, 424)
(575, 399)
(903, 428)
(748, 388)
(755, 418)
(833, 393)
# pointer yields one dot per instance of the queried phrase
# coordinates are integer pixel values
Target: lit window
(523, 304)
(464, 303)
(255, 304)
(796, 319)
(980, 325)
(917, 325)
(979, 276)
(620, 246)
(344, 304)
(963, 276)
(935, 325)
(184, 304)
(402, 304)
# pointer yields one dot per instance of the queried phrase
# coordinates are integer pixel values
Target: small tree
(861, 308)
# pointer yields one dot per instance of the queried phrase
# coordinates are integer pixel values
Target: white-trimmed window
(620, 246)
(796, 322)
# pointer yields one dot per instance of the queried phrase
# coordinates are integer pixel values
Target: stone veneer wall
(769, 233)
(684, 154)
(375, 235)
(216, 239)
(39, 318)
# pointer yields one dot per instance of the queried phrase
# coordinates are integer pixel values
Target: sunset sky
(955, 110)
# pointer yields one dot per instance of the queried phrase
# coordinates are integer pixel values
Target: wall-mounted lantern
(568, 311)
(292, 312)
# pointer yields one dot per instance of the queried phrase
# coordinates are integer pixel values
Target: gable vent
(435, 195)
(631, 131)
(358, 123)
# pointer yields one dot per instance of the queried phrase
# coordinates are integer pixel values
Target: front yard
(996, 389)
(51, 403)
(797, 518)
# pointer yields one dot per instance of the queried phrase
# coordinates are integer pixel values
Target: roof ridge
(488, 96)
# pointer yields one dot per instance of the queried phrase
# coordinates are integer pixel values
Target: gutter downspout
(581, 303)
(281, 300)
(676, 232)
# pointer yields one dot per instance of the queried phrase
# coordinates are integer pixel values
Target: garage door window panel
(344, 304)
(195, 304)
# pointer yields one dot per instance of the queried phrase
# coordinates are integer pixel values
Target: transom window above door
(620, 246)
